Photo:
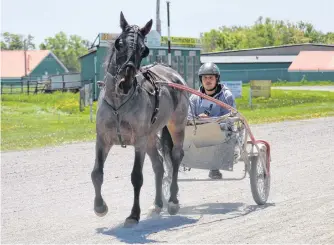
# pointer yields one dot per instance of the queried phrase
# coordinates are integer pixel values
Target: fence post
(28, 86)
(91, 102)
(81, 98)
(63, 83)
(250, 96)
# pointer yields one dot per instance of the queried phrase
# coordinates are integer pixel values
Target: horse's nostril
(128, 71)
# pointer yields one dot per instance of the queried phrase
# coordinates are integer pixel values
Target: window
(161, 57)
(181, 65)
(190, 71)
(175, 63)
(176, 60)
(197, 66)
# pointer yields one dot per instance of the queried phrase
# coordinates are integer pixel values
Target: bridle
(133, 47)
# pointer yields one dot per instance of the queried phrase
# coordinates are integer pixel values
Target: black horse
(132, 110)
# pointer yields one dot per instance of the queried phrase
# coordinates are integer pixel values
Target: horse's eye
(119, 44)
(145, 51)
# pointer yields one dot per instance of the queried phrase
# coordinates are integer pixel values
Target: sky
(87, 18)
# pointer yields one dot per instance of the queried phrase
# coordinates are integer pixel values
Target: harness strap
(156, 109)
(118, 128)
(116, 112)
(148, 74)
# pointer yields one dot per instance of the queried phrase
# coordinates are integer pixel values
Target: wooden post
(250, 97)
(91, 102)
(63, 83)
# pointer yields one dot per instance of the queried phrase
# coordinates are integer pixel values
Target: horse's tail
(166, 150)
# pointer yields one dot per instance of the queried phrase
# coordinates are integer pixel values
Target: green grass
(286, 105)
(30, 121)
(303, 83)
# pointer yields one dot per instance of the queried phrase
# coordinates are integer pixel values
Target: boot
(215, 174)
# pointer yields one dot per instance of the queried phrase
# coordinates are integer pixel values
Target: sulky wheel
(259, 180)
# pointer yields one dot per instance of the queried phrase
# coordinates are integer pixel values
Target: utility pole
(169, 51)
(158, 21)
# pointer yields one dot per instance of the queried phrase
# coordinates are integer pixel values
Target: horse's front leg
(137, 182)
(101, 152)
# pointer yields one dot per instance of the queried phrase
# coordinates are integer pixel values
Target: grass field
(29, 121)
(302, 83)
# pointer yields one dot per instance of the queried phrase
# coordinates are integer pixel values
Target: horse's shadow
(139, 233)
(212, 208)
(164, 222)
(237, 209)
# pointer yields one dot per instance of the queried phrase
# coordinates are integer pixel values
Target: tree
(16, 42)
(264, 32)
(329, 38)
(67, 49)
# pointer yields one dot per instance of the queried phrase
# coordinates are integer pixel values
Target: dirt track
(47, 196)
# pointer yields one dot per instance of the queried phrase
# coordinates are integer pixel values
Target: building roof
(291, 49)
(89, 51)
(248, 59)
(271, 47)
(313, 61)
(13, 65)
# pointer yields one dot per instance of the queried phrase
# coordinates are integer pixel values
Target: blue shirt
(200, 105)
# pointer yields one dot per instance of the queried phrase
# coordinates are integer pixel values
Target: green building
(275, 63)
(18, 66)
(185, 54)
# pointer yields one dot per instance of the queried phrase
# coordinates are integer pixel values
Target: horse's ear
(147, 28)
(123, 22)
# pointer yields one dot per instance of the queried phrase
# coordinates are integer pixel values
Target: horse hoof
(130, 222)
(173, 208)
(154, 211)
(101, 210)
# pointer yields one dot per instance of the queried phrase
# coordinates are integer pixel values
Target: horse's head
(128, 52)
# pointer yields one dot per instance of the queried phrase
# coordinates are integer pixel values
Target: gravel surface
(47, 195)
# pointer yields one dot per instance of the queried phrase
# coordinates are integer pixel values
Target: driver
(209, 77)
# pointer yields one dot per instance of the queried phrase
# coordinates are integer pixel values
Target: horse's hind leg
(177, 137)
(101, 152)
(158, 169)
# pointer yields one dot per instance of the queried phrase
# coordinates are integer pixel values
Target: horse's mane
(109, 56)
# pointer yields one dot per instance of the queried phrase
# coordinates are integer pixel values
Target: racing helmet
(209, 68)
